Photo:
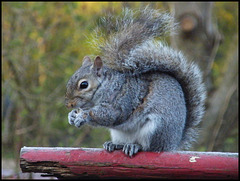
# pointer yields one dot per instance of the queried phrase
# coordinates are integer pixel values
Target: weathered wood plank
(98, 163)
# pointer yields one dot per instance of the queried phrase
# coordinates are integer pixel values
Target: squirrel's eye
(84, 85)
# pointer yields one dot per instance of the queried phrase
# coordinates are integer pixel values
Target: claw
(109, 146)
(131, 149)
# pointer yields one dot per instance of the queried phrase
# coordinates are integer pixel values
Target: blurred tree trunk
(222, 111)
(199, 39)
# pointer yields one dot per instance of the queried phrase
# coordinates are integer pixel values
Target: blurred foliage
(226, 16)
(43, 45)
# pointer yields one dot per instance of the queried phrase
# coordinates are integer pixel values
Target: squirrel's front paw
(77, 118)
(72, 116)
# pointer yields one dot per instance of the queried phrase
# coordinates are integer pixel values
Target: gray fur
(146, 93)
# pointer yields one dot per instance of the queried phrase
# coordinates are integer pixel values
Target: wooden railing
(74, 163)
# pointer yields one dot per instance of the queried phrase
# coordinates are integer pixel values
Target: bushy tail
(131, 47)
(153, 56)
(116, 36)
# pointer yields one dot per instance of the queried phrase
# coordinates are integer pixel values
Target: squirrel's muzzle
(70, 104)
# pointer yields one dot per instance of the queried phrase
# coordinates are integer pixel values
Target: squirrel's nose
(70, 104)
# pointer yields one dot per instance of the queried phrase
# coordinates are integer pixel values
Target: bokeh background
(43, 44)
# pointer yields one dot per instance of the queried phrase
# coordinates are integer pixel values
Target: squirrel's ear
(97, 66)
(86, 61)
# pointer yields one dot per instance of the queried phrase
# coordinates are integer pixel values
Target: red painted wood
(171, 165)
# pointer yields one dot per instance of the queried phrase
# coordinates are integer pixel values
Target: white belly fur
(140, 136)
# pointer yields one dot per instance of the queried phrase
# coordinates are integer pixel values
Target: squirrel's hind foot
(110, 146)
(129, 149)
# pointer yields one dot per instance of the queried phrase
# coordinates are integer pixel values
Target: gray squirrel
(148, 95)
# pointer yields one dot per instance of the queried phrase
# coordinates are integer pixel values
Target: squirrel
(148, 95)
